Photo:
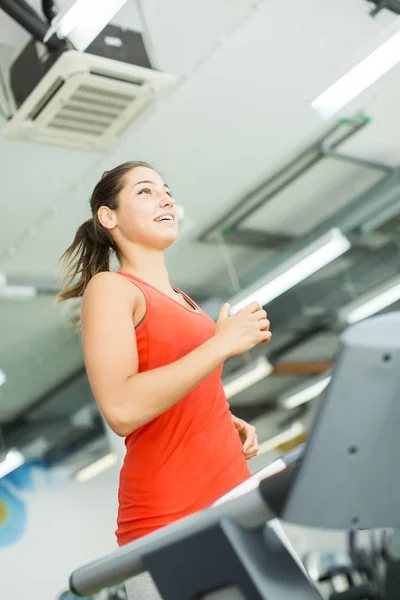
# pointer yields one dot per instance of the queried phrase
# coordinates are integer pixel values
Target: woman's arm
(126, 398)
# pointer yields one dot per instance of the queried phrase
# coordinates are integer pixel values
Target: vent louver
(87, 101)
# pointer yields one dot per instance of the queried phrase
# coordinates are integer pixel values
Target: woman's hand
(242, 331)
(248, 435)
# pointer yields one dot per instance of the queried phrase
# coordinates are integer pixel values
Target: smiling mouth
(165, 218)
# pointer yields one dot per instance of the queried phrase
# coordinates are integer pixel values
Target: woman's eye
(145, 191)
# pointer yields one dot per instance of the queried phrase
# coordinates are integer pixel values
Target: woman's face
(146, 212)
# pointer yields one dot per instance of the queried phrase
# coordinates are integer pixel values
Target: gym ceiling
(261, 177)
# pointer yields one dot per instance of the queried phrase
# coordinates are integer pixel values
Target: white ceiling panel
(237, 118)
(34, 179)
(183, 32)
(53, 224)
(241, 112)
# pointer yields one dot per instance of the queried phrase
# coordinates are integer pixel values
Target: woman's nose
(166, 199)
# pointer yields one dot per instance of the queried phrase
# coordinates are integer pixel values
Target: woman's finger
(253, 447)
(251, 438)
(251, 454)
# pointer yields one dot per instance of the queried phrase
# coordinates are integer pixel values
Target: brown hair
(92, 247)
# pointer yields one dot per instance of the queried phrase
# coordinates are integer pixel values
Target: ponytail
(91, 250)
(88, 254)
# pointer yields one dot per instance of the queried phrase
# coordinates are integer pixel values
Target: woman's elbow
(121, 426)
(120, 431)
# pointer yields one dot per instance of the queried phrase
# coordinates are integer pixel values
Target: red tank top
(190, 455)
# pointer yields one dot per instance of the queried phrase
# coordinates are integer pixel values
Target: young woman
(154, 358)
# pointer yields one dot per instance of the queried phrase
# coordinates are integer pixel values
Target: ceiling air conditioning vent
(86, 101)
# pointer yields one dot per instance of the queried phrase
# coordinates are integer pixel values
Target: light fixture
(248, 376)
(82, 20)
(17, 292)
(305, 394)
(371, 303)
(294, 431)
(97, 467)
(12, 461)
(359, 78)
(303, 264)
(2, 377)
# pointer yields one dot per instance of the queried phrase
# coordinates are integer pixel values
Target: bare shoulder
(110, 287)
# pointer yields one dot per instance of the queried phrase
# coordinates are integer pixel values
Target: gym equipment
(345, 477)
(370, 570)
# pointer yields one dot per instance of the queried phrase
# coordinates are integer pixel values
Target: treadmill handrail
(249, 510)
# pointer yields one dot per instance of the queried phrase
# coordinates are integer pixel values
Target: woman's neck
(148, 266)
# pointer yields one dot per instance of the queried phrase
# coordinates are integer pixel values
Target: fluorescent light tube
(17, 292)
(371, 304)
(83, 20)
(247, 377)
(13, 460)
(359, 78)
(310, 260)
(3, 279)
(2, 378)
(284, 437)
(99, 466)
(306, 394)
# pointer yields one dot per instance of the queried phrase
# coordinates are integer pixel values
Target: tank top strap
(154, 296)
(143, 287)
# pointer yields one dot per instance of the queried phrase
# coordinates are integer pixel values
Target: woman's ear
(107, 217)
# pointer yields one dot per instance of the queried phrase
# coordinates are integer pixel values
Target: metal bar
(35, 26)
(328, 151)
(282, 179)
(291, 179)
(349, 220)
(249, 510)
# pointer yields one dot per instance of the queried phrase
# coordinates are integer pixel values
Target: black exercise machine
(346, 477)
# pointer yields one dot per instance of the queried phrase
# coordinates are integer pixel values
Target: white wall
(68, 524)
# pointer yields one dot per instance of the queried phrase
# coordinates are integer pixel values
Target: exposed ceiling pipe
(329, 151)
(230, 221)
(33, 25)
(349, 220)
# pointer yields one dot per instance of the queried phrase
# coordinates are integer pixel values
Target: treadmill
(346, 477)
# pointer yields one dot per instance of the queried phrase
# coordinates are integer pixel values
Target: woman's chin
(167, 238)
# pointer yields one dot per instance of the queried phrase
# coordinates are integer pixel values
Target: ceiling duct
(88, 99)
(27, 18)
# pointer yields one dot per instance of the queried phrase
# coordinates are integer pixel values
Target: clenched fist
(243, 330)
